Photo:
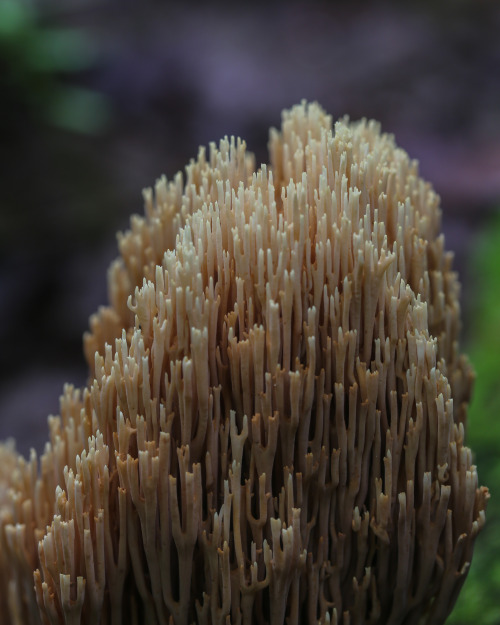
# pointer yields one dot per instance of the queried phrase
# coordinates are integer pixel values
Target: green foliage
(35, 64)
(479, 602)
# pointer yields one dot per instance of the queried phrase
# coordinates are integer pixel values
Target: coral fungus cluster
(273, 430)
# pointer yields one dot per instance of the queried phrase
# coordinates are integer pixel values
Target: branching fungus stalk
(273, 430)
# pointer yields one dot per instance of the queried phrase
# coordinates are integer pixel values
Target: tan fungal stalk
(274, 427)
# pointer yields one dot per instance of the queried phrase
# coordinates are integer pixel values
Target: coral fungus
(273, 430)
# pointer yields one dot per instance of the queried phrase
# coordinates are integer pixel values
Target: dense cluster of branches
(274, 423)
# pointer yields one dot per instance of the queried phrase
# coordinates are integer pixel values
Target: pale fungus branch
(273, 430)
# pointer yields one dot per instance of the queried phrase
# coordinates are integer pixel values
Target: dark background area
(98, 99)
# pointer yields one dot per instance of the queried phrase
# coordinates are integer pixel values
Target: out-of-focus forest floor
(98, 99)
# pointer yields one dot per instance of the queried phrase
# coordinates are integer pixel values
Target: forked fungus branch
(273, 430)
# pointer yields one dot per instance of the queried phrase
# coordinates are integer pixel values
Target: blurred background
(98, 99)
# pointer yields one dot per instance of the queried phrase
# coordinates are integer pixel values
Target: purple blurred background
(151, 84)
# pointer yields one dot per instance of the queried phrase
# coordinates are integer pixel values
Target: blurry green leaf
(32, 58)
(61, 50)
(479, 602)
(14, 17)
(78, 110)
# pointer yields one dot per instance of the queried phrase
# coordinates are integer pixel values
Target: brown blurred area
(131, 90)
